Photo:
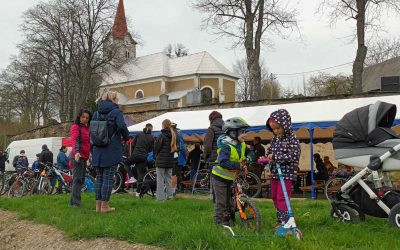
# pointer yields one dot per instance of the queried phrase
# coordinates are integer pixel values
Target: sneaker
(130, 181)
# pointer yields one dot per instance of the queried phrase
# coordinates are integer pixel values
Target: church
(157, 81)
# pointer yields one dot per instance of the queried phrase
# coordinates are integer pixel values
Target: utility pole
(304, 85)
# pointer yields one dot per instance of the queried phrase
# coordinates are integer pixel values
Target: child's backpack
(89, 184)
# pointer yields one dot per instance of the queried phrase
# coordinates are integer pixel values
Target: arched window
(206, 95)
(127, 55)
(139, 94)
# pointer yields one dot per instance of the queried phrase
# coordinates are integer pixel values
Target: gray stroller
(363, 138)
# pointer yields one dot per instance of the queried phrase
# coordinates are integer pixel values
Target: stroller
(363, 138)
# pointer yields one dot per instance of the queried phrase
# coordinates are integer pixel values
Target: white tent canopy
(311, 114)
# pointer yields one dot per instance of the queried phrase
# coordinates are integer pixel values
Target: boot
(105, 208)
(98, 206)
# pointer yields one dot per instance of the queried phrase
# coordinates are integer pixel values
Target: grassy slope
(187, 224)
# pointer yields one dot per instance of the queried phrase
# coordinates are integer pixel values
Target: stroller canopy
(354, 129)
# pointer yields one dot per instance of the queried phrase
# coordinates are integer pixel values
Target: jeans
(164, 181)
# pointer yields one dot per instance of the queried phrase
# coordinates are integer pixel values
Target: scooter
(290, 227)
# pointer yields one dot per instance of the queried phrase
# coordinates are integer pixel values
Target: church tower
(120, 45)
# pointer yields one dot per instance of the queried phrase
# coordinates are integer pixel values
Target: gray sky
(160, 22)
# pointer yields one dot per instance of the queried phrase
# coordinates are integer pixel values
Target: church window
(206, 95)
(139, 94)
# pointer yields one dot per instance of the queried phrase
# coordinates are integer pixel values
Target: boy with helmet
(231, 158)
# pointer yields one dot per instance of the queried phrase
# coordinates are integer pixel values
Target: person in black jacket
(46, 156)
(322, 171)
(164, 150)
(3, 159)
(194, 160)
(142, 146)
(211, 137)
(259, 151)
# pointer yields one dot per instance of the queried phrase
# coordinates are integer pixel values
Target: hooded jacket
(162, 150)
(285, 148)
(62, 160)
(143, 144)
(110, 155)
(210, 140)
(46, 156)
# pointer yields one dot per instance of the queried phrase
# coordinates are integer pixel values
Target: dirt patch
(22, 234)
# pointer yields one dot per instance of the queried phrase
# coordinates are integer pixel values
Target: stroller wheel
(346, 214)
(394, 216)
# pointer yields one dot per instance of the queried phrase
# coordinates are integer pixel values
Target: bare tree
(247, 22)
(177, 50)
(243, 85)
(70, 34)
(325, 84)
(366, 14)
(271, 88)
(382, 50)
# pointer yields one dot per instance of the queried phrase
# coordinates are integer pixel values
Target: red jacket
(82, 146)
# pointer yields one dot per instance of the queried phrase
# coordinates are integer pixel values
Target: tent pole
(311, 132)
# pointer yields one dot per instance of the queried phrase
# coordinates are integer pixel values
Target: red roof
(120, 28)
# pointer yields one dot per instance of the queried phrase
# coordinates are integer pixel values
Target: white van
(32, 147)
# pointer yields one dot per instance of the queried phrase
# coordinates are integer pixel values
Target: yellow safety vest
(234, 157)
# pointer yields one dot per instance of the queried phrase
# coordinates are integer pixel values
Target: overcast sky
(160, 22)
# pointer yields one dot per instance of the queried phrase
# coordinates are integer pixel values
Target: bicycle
(334, 184)
(24, 183)
(241, 203)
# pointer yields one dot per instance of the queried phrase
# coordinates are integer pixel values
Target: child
(285, 150)
(35, 164)
(231, 156)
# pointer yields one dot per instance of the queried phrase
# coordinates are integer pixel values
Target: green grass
(188, 224)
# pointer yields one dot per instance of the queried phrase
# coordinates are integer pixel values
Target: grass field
(187, 224)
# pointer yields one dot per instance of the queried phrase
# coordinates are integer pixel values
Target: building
(384, 76)
(158, 82)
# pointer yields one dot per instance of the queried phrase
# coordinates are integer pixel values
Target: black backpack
(100, 135)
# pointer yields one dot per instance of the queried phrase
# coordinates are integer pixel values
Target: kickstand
(230, 230)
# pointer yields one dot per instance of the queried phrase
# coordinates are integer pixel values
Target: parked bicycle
(335, 183)
(25, 183)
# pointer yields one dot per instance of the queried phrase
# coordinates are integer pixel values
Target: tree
(325, 84)
(382, 50)
(247, 22)
(243, 85)
(271, 88)
(177, 50)
(68, 36)
(366, 14)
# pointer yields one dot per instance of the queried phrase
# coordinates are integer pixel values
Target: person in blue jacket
(106, 158)
(62, 159)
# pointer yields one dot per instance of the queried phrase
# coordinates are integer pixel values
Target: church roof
(120, 28)
(160, 65)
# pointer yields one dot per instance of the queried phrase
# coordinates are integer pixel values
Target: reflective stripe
(234, 157)
(223, 173)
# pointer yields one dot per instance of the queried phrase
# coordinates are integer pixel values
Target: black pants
(78, 179)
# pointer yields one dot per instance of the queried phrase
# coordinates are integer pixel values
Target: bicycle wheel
(250, 216)
(150, 176)
(332, 186)
(45, 186)
(251, 185)
(2, 180)
(17, 189)
(118, 182)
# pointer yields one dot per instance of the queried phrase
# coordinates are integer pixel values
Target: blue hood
(106, 107)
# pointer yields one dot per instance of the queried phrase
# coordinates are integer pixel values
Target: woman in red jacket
(80, 153)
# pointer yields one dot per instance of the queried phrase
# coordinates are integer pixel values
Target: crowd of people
(100, 138)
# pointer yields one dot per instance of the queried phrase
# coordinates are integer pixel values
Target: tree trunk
(358, 65)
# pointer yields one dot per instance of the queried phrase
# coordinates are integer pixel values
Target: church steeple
(120, 28)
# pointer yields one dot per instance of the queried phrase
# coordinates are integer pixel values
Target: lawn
(187, 224)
